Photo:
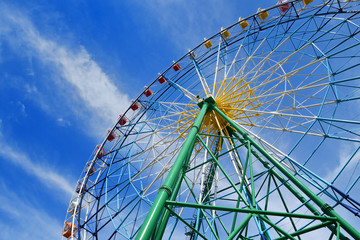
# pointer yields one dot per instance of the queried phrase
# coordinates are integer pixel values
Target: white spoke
(217, 65)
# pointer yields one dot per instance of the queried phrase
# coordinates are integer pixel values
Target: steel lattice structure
(253, 134)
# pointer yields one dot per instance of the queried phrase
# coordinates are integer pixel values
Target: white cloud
(22, 219)
(63, 123)
(30, 89)
(84, 79)
(46, 175)
(22, 108)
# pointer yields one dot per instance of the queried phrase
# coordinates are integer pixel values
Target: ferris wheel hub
(210, 100)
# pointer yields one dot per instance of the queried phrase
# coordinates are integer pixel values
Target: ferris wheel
(253, 134)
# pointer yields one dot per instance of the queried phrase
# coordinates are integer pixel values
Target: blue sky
(67, 69)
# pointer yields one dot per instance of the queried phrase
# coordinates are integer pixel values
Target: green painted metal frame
(283, 181)
(327, 209)
(208, 184)
(165, 200)
(168, 188)
(249, 211)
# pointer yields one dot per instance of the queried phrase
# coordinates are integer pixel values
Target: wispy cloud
(81, 78)
(46, 175)
(22, 219)
(21, 107)
(187, 23)
(63, 123)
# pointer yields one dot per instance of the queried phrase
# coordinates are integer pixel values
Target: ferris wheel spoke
(283, 129)
(151, 161)
(281, 114)
(273, 68)
(249, 59)
(289, 74)
(259, 66)
(184, 91)
(217, 65)
(170, 126)
(292, 93)
(202, 79)
(240, 49)
(257, 115)
(156, 159)
(155, 181)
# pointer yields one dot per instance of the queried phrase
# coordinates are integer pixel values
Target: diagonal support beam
(252, 211)
(283, 181)
(327, 209)
(167, 189)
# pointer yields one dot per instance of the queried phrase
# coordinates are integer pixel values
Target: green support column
(328, 210)
(239, 227)
(288, 186)
(160, 228)
(167, 188)
(208, 184)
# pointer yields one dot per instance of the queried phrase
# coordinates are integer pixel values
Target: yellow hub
(238, 101)
(234, 97)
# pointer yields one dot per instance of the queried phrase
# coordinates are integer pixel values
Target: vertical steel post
(160, 228)
(166, 190)
(239, 227)
(289, 186)
(327, 209)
